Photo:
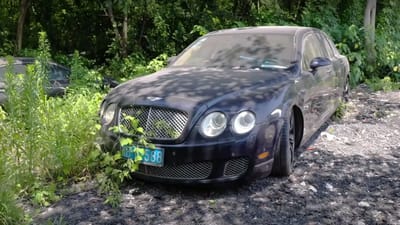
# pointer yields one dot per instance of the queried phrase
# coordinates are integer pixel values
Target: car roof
(17, 60)
(25, 61)
(264, 29)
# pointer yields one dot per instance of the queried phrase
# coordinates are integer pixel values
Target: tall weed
(43, 140)
(9, 212)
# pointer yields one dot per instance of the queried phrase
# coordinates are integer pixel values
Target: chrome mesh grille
(190, 171)
(236, 167)
(157, 122)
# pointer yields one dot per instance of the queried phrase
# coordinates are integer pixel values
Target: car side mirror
(171, 59)
(319, 62)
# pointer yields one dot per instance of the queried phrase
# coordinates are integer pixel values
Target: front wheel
(284, 159)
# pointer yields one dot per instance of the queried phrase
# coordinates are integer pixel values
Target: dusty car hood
(191, 88)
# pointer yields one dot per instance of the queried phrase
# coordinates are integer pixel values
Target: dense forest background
(121, 35)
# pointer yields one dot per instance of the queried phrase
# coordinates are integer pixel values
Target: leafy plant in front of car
(340, 110)
(164, 127)
(117, 166)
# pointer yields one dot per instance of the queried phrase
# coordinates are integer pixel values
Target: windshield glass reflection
(239, 51)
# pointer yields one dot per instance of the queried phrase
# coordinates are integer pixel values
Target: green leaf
(140, 130)
(139, 151)
(125, 141)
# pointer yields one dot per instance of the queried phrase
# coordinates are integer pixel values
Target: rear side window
(333, 47)
(328, 46)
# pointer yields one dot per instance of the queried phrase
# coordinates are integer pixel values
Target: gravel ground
(348, 174)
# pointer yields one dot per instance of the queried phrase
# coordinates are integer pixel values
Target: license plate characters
(153, 157)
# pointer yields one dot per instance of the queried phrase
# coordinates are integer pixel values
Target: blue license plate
(153, 157)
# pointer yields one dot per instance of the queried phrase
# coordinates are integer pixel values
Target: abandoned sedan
(234, 105)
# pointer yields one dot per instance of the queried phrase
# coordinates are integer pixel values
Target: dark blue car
(58, 76)
(234, 105)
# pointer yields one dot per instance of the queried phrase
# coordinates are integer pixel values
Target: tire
(284, 159)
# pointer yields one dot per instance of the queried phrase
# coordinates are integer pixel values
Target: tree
(369, 26)
(23, 11)
(120, 35)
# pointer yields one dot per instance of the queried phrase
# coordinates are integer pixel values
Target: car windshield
(238, 51)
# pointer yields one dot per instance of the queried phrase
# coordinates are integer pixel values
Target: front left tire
(284, 158)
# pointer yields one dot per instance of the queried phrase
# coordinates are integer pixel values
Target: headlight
(213, 124)
(243, 122)
(108, 114)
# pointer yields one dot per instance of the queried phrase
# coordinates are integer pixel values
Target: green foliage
(340, 110)
(43, 140)
(200, 30)
(156, 28)
(44, 195)
(351, 45)
(388, 42)
(384, 84)
(114, 168)
(9, 212)
(134, 66)
(157, 63)
(124, 68)
(82, 78)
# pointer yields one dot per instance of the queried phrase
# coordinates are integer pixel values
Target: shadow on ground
(324, 189)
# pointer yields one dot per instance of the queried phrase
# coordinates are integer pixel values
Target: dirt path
(350, 174)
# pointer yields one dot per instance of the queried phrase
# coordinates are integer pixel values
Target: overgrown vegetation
(121, 37)
(44, 141)
(114, 169)
(47, 143)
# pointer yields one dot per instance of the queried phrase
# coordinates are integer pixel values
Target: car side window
(333, 47)
(311, 49)
(330, 53)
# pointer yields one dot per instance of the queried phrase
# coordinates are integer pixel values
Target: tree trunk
(23, 10)
(124, 40)
(369, 27)
(121, 36)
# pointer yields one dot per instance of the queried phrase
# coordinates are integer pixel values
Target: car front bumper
(214, 162)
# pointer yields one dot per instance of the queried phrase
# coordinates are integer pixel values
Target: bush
(384, 84)
(9, 212)
(134, 66)
(44, 140)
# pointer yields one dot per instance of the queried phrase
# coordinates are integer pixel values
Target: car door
(331, 76)
(315, 83)
(340, 64)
